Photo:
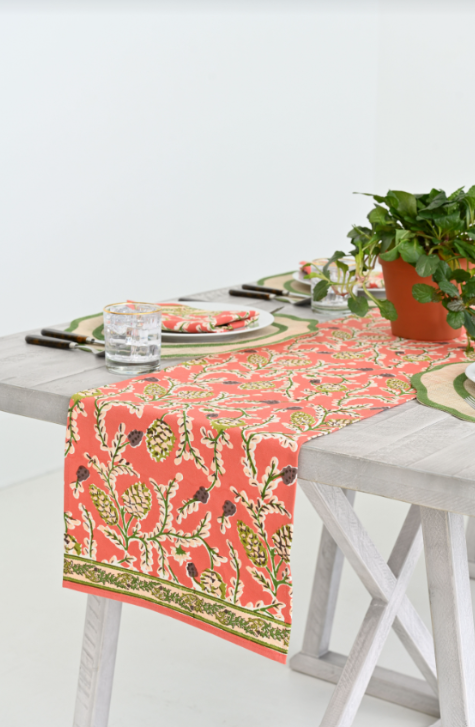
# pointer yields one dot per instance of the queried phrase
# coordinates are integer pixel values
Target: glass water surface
(132, 333)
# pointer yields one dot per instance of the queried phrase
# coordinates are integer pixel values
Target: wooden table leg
(452, 619)
(390, 607)
(375, 628)
(96, 672)
(471, 546)
(326, 584)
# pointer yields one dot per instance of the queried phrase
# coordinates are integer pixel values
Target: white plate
(470, 372)
(299, 277)
(265, 319)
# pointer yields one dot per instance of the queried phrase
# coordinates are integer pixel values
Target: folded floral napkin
(184, 318)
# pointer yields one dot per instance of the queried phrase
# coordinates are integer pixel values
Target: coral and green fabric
(180, 487)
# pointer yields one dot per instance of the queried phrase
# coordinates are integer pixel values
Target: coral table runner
(180, 486)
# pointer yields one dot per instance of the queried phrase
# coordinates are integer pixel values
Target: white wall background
(153, 149)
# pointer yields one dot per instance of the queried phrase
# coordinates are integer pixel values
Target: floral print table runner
(180, 486)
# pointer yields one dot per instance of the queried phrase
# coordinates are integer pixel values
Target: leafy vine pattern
(188, 476)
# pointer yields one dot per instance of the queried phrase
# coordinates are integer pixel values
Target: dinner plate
(470, 372)
(265, 319)
(299, 277)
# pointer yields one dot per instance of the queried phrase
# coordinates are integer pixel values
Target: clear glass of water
(132, 333)
(337, 297)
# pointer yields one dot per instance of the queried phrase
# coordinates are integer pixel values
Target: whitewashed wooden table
(410, 453)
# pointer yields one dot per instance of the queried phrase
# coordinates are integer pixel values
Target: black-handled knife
(67, 336)
(274, 291)
(60, 343)
(249, 294)
(258, 295)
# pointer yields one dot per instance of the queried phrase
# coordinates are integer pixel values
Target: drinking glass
(336, 298)
(132, 333)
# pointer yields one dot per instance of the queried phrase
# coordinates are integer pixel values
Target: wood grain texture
(452, 617)
(344, 526)
(326, 584)
(471, 546)
(386, 684)
(96, 672)
(375, 628)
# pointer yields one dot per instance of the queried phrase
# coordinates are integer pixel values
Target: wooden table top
(410, 452)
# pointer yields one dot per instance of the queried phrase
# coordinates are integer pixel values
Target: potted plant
(426, 245)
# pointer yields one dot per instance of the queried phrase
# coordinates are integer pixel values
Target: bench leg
(96, 672)
(452, 619)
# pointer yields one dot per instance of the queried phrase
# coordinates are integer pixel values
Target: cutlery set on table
(65, 340)
(52, 338)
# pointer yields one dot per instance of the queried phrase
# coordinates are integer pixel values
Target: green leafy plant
(434, 233)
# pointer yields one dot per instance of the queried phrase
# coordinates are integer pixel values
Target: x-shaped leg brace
(389, 608)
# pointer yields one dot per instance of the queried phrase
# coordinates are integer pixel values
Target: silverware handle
(250, 294)
(64, 335)
(264, 289)
(49, 342)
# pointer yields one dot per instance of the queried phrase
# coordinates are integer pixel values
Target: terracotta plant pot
(420, 321)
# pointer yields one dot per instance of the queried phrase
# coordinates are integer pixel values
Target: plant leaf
(404, 202)
(410, 251)
(424, 293)
(358, 305)
(387, 309)
(460, 275)
(320, 290)
(427, 265)
(455, 318)
(448, 288)
(469, 323)
(390, 255)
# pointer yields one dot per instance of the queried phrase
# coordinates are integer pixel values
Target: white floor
(169, 673)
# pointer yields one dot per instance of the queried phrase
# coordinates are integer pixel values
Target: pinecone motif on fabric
(282, 540)
(398, 386)
(256, 360)
(137, 500)
(104, 506)
(154, 389)
(342, 335)
(160, 440)
(302, 420)
(229, 508)
(289, 474)
(82, 473)
(254, 548)
(192, 570)
(135, 437)
(211, 582)
(201, 495)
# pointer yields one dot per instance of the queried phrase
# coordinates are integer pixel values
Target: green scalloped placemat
(282, 329)
(445, 387)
